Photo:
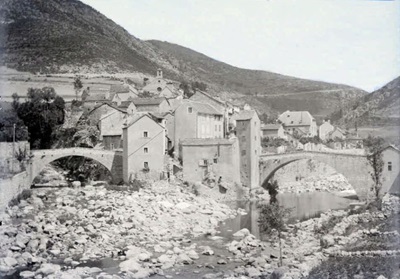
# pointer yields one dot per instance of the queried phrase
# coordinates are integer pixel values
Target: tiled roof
(296, 118)
(125, 104)
(147, 101)
(110, 105)
(206, 141)
(211, 97)
(245, 115)
(271, 127)
(135, 117)
(203, 107)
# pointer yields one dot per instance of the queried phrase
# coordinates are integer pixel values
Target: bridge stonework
(112, 160)
(354, 168)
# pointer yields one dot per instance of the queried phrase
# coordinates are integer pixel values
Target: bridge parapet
(112, 160)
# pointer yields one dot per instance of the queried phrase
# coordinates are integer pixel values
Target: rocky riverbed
(159, 231)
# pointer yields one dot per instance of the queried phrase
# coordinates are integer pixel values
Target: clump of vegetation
(328, 225)
(273, 142)
(373, 147)
(350, 267)
(42, 113)
(273, 216)
(134, 186)
(24, 195)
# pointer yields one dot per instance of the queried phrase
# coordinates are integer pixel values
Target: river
(303, 206)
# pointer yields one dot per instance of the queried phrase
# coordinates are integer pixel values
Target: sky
(354, 42)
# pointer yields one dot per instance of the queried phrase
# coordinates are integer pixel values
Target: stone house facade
(197, 120)
(216, 157)
(273, 131)
(248, 132)
(324, 129)
(391, 168)
(301, 122)
(143, 148)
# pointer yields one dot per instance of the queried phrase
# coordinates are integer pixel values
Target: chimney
(159, 73)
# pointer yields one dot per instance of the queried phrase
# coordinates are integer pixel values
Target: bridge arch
(354, 168)
(111, 160)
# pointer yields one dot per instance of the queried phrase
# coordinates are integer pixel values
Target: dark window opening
(389, 166)
(145, 134)
(146, 150)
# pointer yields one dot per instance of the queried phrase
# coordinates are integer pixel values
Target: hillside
(381, 107)
(67, 36)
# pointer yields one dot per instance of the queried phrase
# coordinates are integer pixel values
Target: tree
(9, 117)
(42, 113)
(373, 147)
(77, 86)
(272, 216)
(272, 222)
(186, 89)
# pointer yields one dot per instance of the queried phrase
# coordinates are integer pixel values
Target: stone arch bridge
(355, 168)
(112, 160)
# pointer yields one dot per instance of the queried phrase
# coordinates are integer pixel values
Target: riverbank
(166, 231)
(56, 230)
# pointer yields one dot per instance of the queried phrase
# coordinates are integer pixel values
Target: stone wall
(10, 188)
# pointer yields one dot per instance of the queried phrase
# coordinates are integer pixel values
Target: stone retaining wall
(10, 188)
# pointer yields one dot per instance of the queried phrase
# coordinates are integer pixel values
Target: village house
(143, 147)
(391, 168)
(120, 93)
(159, 105)
(324, 129)
(224, 107)
(111, 129)
(248, 132)
(299, 122)
(128, 106)
(216, 159)
(160, 87)
(336, 134)
(94, 115)
(94, 99)
(273, 131)
(167, 120)
(197, 120)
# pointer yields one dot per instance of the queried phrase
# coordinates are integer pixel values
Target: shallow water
(303, 206)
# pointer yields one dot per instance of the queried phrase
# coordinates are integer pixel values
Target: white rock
(47, 268)
(27, 274)
(130, 265)
(10, 261)
(242, 233)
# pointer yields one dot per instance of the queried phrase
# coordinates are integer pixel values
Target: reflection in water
(303, 206)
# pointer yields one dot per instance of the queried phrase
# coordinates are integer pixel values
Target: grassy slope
(277, 91)
(68, 36)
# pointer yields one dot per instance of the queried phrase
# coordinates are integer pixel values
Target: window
(190, 109)
(145, 134)
(220, 128)
(215, 160)
(112, 146)
(146, 165)
(216, 128)
(255, 151)
(243, 152)
(159, 89)
(146, 150)
(389, 166)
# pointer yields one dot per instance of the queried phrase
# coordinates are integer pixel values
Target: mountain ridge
(61, 36)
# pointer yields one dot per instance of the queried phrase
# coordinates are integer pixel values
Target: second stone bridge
(355, 168)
